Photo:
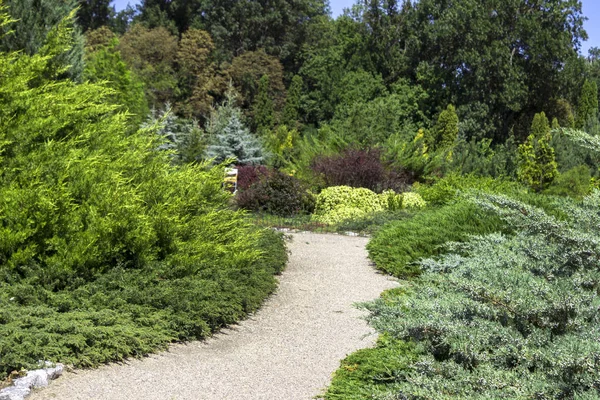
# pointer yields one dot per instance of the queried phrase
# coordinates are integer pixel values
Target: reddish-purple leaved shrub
(360, 169)
(269, 190)
(249, 174)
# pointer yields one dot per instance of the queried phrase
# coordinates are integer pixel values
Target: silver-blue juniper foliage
(505, 316)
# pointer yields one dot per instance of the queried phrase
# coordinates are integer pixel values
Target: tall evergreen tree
(263, 107)
(588, 104)
(93, 14)
(292, 102)
(34, 19)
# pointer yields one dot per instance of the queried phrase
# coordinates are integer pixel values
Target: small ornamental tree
(445, 131)
(588, 103)
(537, 165)
(180, 135)
(230, 138)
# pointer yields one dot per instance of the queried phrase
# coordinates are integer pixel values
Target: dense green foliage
(34, 19)
(108, 250)
(502, 316)
(364, 374)
(115, 240)
(588, 104)
(537, 164)
(104, 64)
(397, 247)
(93, 14)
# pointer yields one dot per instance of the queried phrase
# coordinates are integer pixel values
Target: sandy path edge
(287, 350)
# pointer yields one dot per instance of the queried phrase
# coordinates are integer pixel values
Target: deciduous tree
(151, 54)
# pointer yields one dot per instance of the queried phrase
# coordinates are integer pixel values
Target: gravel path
(287, 350)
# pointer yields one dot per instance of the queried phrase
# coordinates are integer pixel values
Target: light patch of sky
(591, 9)
(121, 4)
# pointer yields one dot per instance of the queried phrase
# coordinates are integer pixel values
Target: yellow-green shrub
(340, 214)
(333, 197)
(339, 203)
(412, 200)
(391, 200)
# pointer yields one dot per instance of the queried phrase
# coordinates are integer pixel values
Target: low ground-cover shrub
(498, 317)
(448, 188)
(397, 246)
(365, 373)
(272, 191)
(107, 249)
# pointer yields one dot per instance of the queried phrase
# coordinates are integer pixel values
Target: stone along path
(288, 350)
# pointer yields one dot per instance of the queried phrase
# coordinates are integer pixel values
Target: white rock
(55, 372)
(14, 393)
(34, 379)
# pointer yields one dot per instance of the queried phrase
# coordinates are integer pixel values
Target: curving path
(287, 350)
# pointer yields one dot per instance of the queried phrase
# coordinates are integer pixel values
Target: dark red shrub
(359, 168)
(273, 192)
(249, 174)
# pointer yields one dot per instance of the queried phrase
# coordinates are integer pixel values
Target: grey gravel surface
(288, 350)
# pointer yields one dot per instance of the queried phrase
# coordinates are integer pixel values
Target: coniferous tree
(537, 165)
(106, 65)
(33, 21)
(183, 137)
(588, 104)
(263, 107)
(445, 131)
(93, 14)
(555, 124)
(292, 102)
(230, 138)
